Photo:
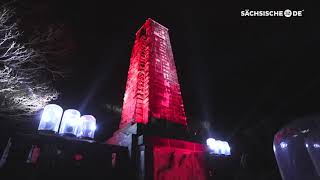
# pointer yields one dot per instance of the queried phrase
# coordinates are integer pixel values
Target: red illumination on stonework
(175, 143)
(152, 88)
(177, 159)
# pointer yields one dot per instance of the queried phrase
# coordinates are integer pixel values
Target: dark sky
(246, 76)
(234, 72)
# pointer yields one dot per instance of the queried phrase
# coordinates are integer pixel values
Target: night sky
(245, 76)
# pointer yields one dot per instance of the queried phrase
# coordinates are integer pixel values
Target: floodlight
(87, 127)
(70, 123)
(51, 117)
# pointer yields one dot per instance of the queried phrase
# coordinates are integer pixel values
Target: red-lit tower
(153, 122)
(152, 89)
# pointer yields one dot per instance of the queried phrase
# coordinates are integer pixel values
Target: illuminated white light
(218, 147)
(51, 117)
(283, 145)
(211, 143)
(226, 148)
(93, 127)
(88, 126)
(316, 145)
(70, 122)
(307, 145)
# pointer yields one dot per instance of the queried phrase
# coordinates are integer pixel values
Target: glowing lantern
(70, 122)
(218, 147)
(211, 143)
(226, 148)
(51, 117)
(88, 126)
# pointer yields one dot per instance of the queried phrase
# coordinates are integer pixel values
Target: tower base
(162, 156)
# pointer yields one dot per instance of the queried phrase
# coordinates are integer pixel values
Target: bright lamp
(51, 117)
(70, 123)
(218, 147)
(88, 126)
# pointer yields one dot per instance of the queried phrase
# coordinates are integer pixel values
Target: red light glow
(78, 157)
(152, 88)
(177, 159)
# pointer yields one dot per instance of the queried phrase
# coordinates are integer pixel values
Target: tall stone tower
(153, 124)
(152, 89)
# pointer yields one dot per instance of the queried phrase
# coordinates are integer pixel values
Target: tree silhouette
(26, 75)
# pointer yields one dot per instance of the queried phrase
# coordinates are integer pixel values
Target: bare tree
(25, 74)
